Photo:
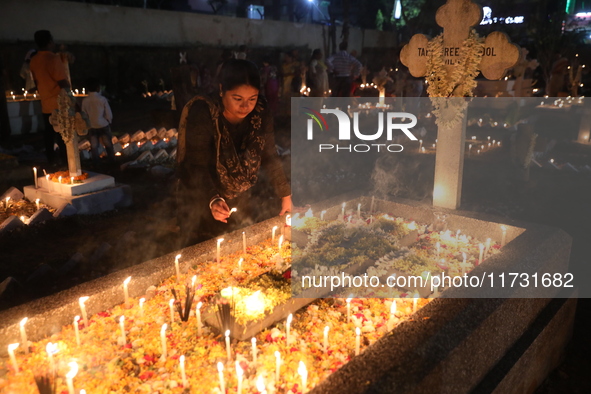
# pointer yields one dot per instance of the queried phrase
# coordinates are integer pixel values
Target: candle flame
(24, 321)
(171, 302)
(288, 220)
(177, 257)
(503, 228)
(289, 318)
(309, 213)
(227, 333)
(76, 319)
(326, 329)
(126, 281)
(220, 366)
(481, 246)
(199, 305)
(13, 346)
(277, 354)
(302, 368)
(73, 370)
(51, 348)
(233, 210)
(220, 240)
(82, 300)
(261, 384)
(393, 307)
(163, 329)
(357, 331)
(412, 226)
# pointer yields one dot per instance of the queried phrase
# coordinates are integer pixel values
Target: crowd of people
(226, 135)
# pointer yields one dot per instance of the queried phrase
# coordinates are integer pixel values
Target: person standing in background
(99, 113)
(317, 77)
(25, 72)
(50, 77)
(345, 68)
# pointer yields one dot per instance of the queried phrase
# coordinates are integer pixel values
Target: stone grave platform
(96, 194)
(452, 345)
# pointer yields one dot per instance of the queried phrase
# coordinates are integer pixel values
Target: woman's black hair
(238, 72)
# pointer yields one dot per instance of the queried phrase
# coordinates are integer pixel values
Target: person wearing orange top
(50, 77)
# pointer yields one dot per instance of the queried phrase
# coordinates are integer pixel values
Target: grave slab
(449, 346)
(93, 183)
(118, 196)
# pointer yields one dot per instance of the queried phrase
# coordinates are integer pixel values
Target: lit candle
(348, 300)
(232, 211)
(183, 373)
(322, 215)
(415, 300)
(51, 348)
(359, 210)
(287, 328)
(24, 340)
(83, 90)
(277, 366)
(221, 375)
(193, 281)
(142, 300)
(37, 203)
(35, 176)
(240, 263)
(392, 315)
(7, 199)
(71, 180)
(125, 290)
(481, 246)
(372, 201)
(254, 349)
(504, 230)
(464, 263)
(487, 247)
(304, 374)
(76, 90)
(243, 242)
(260, 385)
(240, 375)
(122, 328)
(420, 145)
(280, 242)
(325, 342)
(171, 307)
(217, 252)
(176, 267)
(70, 376)
(199, 331)
(228, 349)
(77, 329)
(81, 301)
(48, 184)
(343, 210)
(59, 179)
(273, 233)
(11, 349)
(163, 340)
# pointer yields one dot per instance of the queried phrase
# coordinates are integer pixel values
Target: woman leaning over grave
(226, 157)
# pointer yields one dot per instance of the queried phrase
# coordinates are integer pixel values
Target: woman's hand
(220, 211)
(285, 205)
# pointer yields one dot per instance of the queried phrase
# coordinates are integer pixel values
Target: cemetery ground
(100, 244)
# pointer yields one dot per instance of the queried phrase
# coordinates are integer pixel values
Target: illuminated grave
(454, 343)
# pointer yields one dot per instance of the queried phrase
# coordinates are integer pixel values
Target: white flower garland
(460, 84)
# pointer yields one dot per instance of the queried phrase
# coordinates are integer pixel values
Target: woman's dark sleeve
(271, 162)
(199, 161)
